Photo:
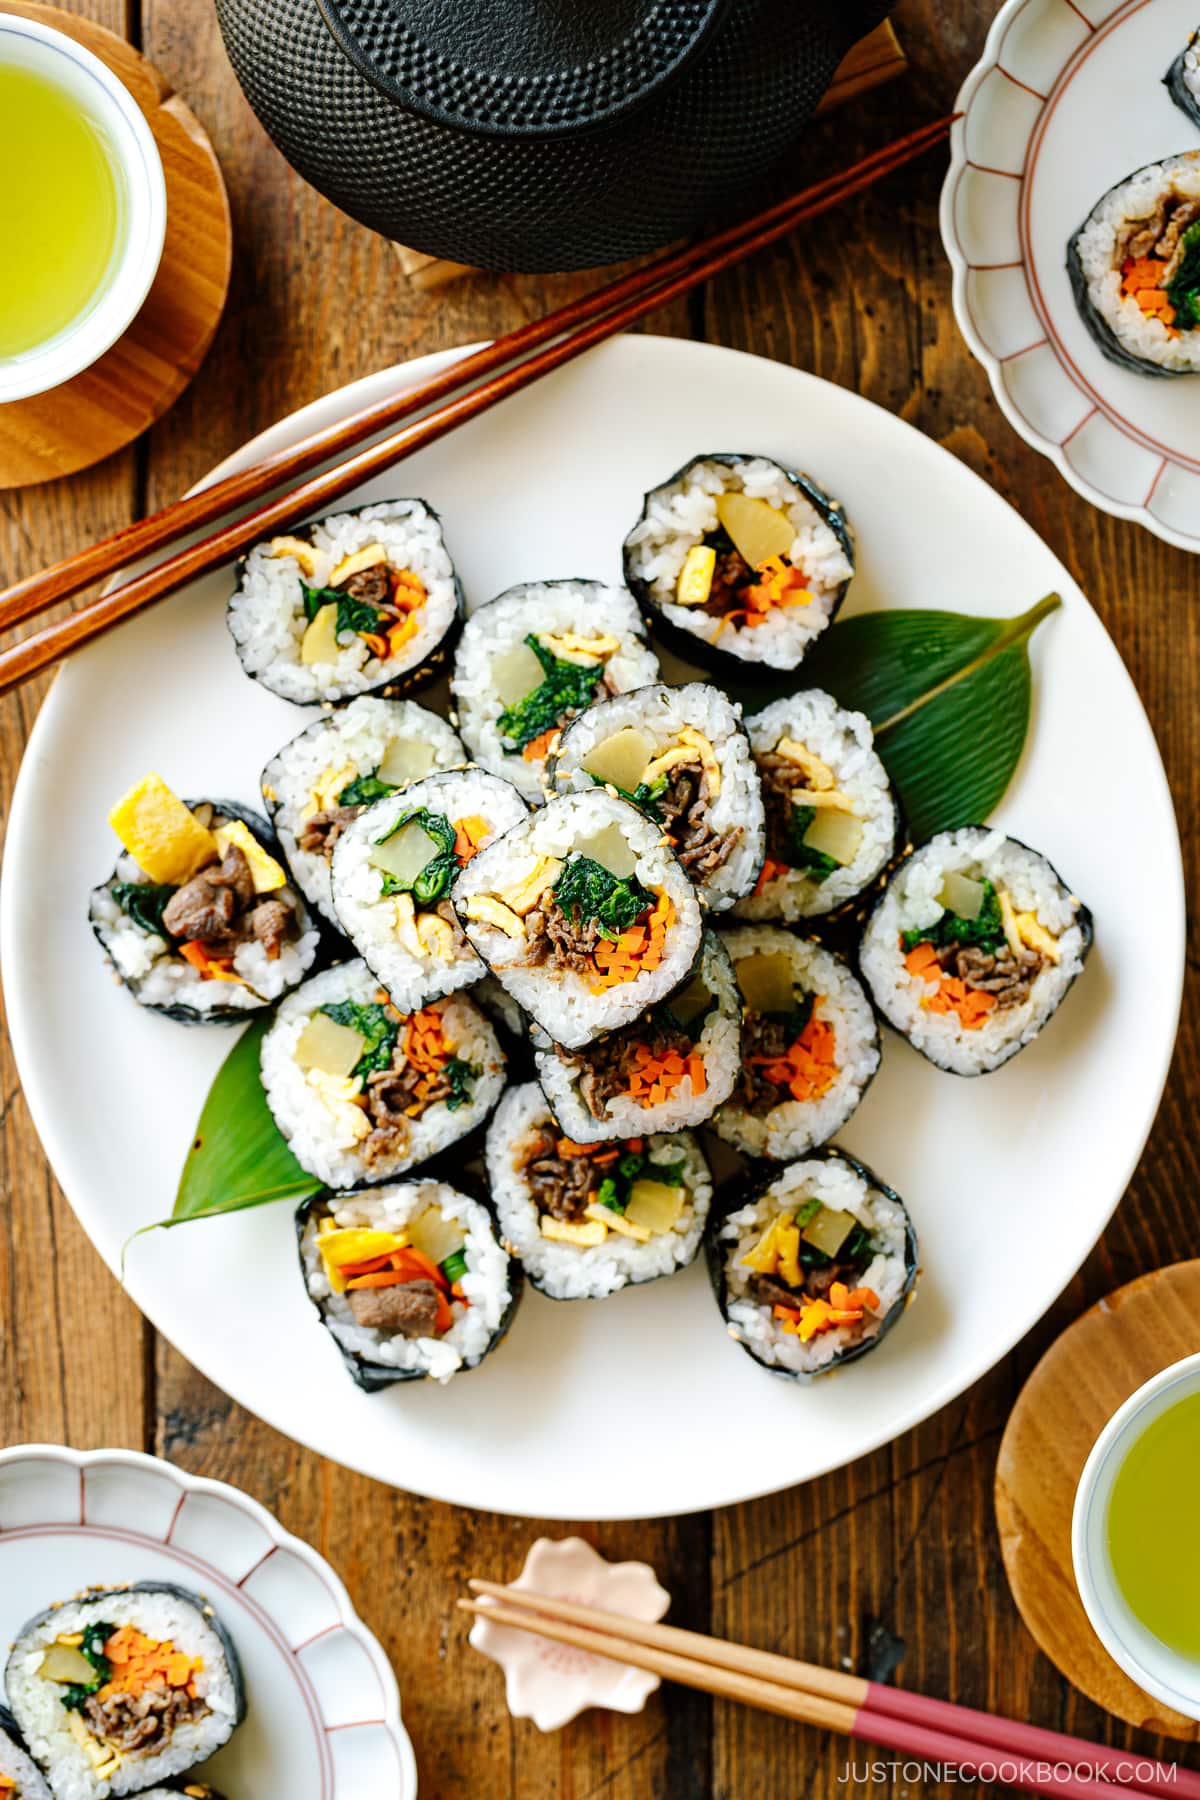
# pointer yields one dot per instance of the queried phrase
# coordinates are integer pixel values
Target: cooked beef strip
(409, 1310)
(553, 934)
(731, 573)
(133, 1721)
(780, 778)
(319, 834)
(1007, 975)
(607, 1066)
(372, 586)
(761, 1037)
(1141, 235)
(209, 906)
(269, 922)
(769, 1291)
(391, 1097)
(683, 808)
(562, 1185)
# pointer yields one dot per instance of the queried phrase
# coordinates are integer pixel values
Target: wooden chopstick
(866, 1709)
(640, 293)
(36, 592)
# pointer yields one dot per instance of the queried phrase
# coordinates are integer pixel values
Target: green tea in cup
(1153, 1514)
(82, 207)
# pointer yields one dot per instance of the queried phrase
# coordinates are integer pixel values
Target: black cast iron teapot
(537, 134)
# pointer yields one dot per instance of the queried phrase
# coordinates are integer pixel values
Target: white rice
(1098, 246)
(718, 1046)
(588, 607)
(326, 1135)
(485, 1285)
(568, 1271)
(22, 1770)
(911, 902)
(1190, 66)
(43, 1720)
(682, 512)
(157, 975)
(558, 998)
(369, 917)
(333, 752)
(836, 1184)
(797, 1126)
(845, 743)
(266, 614)
(660, 712)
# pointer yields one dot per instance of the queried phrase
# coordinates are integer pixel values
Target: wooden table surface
(902, 1546)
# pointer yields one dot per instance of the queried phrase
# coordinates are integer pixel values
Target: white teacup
(85, 80)
(1159, 1670)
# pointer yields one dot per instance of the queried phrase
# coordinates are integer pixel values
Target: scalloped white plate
(639, 1404)
(323, 1715)
(1067, 99)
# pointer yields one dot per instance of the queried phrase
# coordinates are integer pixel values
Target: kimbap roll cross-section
(583, 913)
(20, 1777)
(199, 918)
(1182, 79)
(587, 1219)
(392, 871)
(363, 1091)
(347, 604)
(670, 1069)
(810, 1044)
(739, 560)
(532, 659)
(972, 947)
(832, 821)
(681, 755)
(409, 1281)
(814, 1265)
(1134, 266)
(323, 779)
(123, 1688)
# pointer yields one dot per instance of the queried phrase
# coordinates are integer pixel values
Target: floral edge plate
(1038, 143)
(323, 1719)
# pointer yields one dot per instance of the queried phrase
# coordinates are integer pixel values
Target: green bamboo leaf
(948, 695)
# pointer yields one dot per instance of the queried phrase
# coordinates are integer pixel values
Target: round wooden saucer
(133, 384)
(1075, 1389)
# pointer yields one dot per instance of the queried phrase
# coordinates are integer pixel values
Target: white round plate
(323, 1713)
(640, 1404)
(1067, 99)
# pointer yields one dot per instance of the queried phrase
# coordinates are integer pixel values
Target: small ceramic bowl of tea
(83, 208)
(1134, 1541)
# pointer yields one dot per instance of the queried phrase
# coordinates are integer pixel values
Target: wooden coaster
(133, 384)
(1071, 1395)
(875, 58)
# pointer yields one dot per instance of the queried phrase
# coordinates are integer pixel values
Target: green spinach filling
(460, 1074)
(857, 1248)
(92, 1650)
(364, 790)
(566, 687)
(815, 863)
(1184, 290)
(436, 878)
(375, 1025)
(144, 902)
(587, 890)
(352, 614)
(986, 932)
(644, 797)
(617, 1186)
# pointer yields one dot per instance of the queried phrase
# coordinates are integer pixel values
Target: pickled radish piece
(835, 833)
(621, 759)
(961, 895)
(405, 854)
(516, 673)
(405, 759)
(758, 531)
(767, 982)
(332, 1048)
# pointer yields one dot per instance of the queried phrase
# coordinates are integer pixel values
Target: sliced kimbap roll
(363, 1091)
(320, 782)
(669, 1070)
(199, 918)
(1134, 265)
(587, 1219)
(814, 1266)
(1182, 79)
(409, 1280)
(532, 659)
(810, 1044)
(972, 947)
(392, 871)
(681, 756)
(194, 1790)
(736, 559)
(123, 1688)
(348, 604)
(584, 915)
(832, 821)
(20, 1777)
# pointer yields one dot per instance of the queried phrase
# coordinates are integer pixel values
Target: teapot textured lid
(520, 68)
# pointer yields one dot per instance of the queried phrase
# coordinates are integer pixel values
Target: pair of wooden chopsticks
(917, 1727)
(489, 375)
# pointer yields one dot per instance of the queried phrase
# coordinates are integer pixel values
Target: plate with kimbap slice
(609, 1075)
(155, 1628)
(1073, 228)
